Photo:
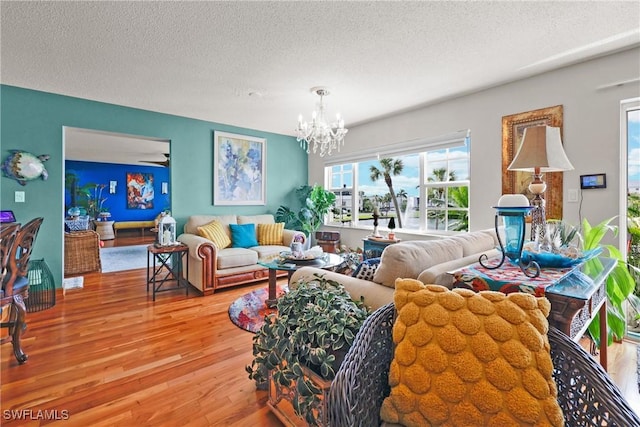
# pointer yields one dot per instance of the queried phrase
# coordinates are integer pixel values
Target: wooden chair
(15, 285)
(586, 394)
(8, 234)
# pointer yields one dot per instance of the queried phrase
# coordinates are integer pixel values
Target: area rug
(122, 258)
(248, 311)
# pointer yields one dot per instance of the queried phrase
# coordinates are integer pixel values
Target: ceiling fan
(164, 162)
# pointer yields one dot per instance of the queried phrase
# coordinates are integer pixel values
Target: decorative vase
(74, 212)
(512, 208)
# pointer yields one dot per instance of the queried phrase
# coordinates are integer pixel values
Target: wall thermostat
(598, 180)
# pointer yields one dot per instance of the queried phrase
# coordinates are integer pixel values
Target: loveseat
(212, 265)
(425, 260)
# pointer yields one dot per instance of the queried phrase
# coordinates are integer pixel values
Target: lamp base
(538, 218)
(538, 215)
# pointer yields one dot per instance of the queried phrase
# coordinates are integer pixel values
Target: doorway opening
(114, 180)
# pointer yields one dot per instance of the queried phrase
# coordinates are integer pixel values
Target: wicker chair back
(587, 395)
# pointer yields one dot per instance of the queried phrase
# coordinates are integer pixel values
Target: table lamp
(513, 209)
(541, 151)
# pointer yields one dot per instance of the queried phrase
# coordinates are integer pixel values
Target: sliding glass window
(423, 185)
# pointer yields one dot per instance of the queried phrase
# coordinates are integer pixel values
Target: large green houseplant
(313, 328)
(315, 203)
(620, 283)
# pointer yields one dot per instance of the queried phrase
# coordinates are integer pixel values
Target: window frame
(420, 147)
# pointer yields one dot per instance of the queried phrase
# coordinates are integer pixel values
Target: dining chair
(15, 285)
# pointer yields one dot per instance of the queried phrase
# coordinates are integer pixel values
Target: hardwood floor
(623, 369)
(109, 356)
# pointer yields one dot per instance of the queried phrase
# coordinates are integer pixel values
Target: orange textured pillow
(470, 359)
(270, 234)
(215, 232)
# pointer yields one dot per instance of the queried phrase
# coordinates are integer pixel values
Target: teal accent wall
(34, 121)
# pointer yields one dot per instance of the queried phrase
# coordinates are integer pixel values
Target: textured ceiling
(251, 64)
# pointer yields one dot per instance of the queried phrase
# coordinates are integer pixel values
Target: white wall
(590, 131)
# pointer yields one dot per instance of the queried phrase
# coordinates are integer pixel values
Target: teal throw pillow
(243, 235)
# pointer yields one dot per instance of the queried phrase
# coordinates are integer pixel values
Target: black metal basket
(42, 289)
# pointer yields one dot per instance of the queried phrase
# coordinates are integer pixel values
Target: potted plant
(316, 203)
(312, 331)
(392, 226)
(620, 283)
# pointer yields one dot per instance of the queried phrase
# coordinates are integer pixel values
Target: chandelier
(323, 136)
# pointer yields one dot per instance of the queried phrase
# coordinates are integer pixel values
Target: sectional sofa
(212, 267)
(425, 260)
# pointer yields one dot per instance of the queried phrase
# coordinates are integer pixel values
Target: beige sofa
(211, 268)
(425, 260)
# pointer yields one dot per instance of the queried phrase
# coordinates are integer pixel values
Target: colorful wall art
(238, 177)
(139, 190)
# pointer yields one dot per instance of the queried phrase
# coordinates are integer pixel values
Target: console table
(372, 248)
(575, 297)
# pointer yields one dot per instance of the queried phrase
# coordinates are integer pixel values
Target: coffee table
(326, 261)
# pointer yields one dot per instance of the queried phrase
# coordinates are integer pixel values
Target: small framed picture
(165, 188)
(112, 187)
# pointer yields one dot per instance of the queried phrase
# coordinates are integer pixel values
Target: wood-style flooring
(106, 355)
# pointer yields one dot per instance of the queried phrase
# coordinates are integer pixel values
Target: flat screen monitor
(598, 180)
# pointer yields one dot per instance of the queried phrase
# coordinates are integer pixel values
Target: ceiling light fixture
(324, 136)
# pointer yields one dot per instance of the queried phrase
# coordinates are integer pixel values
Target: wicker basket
(80, 223)
(81, 252)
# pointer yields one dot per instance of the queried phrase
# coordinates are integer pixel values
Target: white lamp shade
(541, 148)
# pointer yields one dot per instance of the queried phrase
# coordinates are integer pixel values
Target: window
(430, 181)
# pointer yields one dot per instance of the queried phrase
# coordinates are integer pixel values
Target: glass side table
(326, 261)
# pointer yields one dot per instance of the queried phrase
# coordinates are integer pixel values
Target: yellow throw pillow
(215, 232)
(270, 234)
(470, 359)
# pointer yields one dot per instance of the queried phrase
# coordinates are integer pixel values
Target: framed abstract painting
(139, 190)
(238, 169)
